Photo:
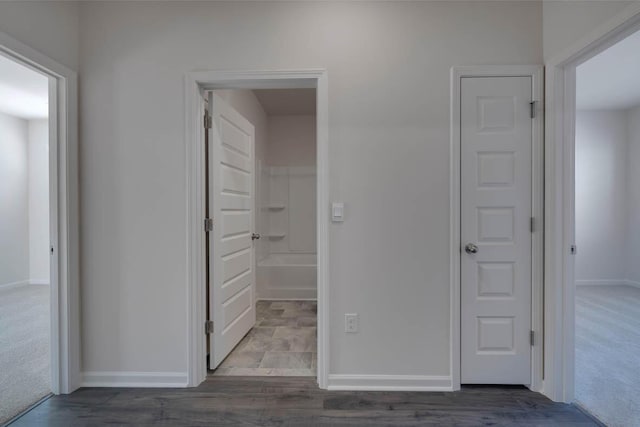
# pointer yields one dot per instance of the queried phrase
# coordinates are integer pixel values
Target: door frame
(195, 85)
(560, 198)
(537, 194)
(63, 211)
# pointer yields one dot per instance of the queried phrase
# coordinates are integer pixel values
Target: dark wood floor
(296, 401)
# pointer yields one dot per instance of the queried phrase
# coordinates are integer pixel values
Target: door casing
(535, 72)
(63, 212)
(195, 85)
(559, 295)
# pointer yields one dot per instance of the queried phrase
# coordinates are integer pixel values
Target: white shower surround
(289, 269)
(288, 276)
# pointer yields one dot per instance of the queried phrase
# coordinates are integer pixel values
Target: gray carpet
(608, 353)
(24, 348)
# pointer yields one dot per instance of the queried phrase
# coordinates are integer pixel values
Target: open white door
(495, 287)
(231, 204)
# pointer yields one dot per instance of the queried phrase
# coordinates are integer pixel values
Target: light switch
(337, 211)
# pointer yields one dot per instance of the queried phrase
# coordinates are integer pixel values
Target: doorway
(60, 237)
(496, 229)
(607, 233)
(560, 197)
(25, 286)
(262, 249)
(296, 299)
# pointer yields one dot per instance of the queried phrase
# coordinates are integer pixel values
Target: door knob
(255, 236)
(471, 248)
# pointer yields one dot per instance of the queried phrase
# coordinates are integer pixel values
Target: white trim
(134, 379)
(15, 284)
(633, 283)
(286, 299)
(608, 282)
(63, 180)
(25, 282)
(560, 195)
(390, 382)
(535, 72)
(601, 282)
(195, 84)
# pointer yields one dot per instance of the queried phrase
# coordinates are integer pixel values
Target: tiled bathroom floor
(283, 342)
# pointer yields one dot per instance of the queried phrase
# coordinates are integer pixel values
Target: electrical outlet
(351, 323)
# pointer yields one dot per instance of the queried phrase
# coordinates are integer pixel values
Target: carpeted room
(24, 239)
(607, 212)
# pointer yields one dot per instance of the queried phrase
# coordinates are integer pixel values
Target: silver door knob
(255, 236)
(471, 248)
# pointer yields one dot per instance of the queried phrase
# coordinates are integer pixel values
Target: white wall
(39, 201)
(388, 72)
(50, 27)
(292, 140)
(601, 197)
(608, 197)
(567, 21)
(633, 160)
(14, 201)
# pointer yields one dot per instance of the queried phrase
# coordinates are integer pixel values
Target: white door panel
(496, 143)
(231, 252)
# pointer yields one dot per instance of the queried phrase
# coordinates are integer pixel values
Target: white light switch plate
(337, 212)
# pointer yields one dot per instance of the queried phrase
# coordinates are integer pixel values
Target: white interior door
(231, 204)
(496, 150)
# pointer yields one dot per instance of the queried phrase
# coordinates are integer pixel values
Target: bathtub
(287, 276)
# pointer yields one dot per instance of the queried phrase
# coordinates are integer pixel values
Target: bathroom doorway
(262, 188)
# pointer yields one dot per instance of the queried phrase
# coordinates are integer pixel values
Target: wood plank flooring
(297, 401)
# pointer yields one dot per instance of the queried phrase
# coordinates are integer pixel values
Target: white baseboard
(286, 299)
(14, 284)
(135, 379)
(39, 282)
(601, 282)
(288, 294)
(632, 283)
(390, 382)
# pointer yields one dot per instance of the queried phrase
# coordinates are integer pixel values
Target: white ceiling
(24, 93)
(285, 102)
(611, 79)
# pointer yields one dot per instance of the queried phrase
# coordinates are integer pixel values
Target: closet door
(496, 142)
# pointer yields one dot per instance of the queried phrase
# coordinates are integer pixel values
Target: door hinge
(207, 121)
(532, 224)
(573, 249)
(532, 336)
(208, 327)
(532, 105)
(208, 224)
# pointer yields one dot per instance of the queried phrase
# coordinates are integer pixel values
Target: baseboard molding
(14, 284)
(135, 379)
(39, 282)
(632, 283)
(390, 382)
(601, 282)
(288, 294)
(286, 299)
